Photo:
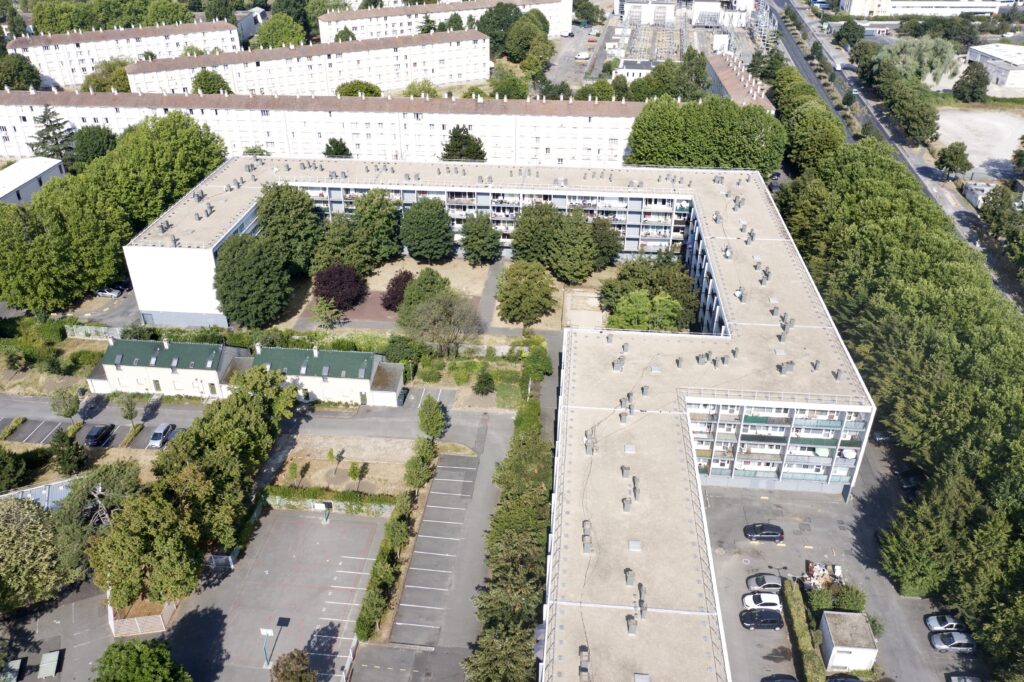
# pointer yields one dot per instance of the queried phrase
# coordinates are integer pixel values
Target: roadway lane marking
(432, 553)
(429, 570)
(420, 606)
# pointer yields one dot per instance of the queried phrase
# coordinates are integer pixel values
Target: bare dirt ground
(384, 460)
(463, 276)
(991, 135)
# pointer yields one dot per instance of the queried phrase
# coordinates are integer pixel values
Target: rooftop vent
(324, 372)
(645, 389)
(625, 470)
(634, 545)
(618, 364)
(626, 504)
(631, 624)
(636, 488)
(629, 449)
(588, 545)
(625, 348)
(630, 576)
(786, 367)
(622, 417)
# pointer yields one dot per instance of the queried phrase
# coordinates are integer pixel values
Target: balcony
(755, 419)
(814, 442)
(762, 438)
(819, 423)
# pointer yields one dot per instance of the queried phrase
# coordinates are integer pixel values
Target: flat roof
(849, 629)
(387, 104)
(120, 34)
(18, 173)
(417, 10)
(1013, 55)
(299, 51)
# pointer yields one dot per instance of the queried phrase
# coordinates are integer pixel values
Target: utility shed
(847, 641)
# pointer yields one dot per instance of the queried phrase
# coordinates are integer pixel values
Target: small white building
(847, 641)
(405, 20)
(336, 376)
(975, 192)
(1004, 63)
(632, 69)
(936, 8)
(65, 59)
(199, 370)
(649, 12)
(22, 179)
(444, 58)
(248, 21)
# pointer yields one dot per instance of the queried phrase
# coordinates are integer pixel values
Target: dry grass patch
(463, 276)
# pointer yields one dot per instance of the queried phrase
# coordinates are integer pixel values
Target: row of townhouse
(523, 132)
(65, 59)
(318, 69)
(387, 22)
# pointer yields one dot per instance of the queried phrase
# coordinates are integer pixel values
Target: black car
(98, 435)
(764, 531)
(779, 678)
(761, 619)
(842, 678)
(402, 395)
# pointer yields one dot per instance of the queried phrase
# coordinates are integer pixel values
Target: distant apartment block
(22, 179)
(519, 132)
(945, 8)
(389, 63)
(65, 59)
(388, 22)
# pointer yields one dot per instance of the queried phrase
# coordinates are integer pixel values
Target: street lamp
(266, 634)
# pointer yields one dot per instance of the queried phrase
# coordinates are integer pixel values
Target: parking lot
(432, 568)
(41, 431)
(301, 578)
(827, 529)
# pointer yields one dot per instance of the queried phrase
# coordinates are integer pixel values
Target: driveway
(821, 528)
(113, 312)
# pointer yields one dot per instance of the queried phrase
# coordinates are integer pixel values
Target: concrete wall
(174, 286)
(181, 382)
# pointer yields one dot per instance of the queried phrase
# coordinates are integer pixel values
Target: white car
(943, 623)
(762, 600)
(582, 56)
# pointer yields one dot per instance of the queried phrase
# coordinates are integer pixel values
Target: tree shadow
(932, 173)
(324, 649)
(874, 510)
(92, 406)
(197, 642)
(779, 654)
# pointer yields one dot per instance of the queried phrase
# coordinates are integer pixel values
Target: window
(17, 193)
(156, 385)
(264, 112)
(213, 389)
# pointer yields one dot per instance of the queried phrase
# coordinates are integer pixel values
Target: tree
(149, 552)
(293, 667)
(850, 598)
(607, 241)
(340, 284)
(428, 25)
(481, 242)
(29, 572)
(354, 88)
(953, 159)
(532, 235)
(503, 652)
(462, 146)
(128, 403)
(326, 313)
(818, 53)
(67, 455)
(521, 36)
(356, 472)
(999, 214)
(18, 73)
(219, 9)
(972, 86)
(427, 284)
(525, 293)
(849, 34)
(210, 83)
(447, 320)
(314, 9)
(64, 402)
(395, 292)
(433, 419)
(453, 23)
(251, 280)
(90, 142)
(166, 12)
(918, 58)
(12, 469)
(686, 79)
(288, 220)
(336, 148)
(1018, 157)
(343, 242)
(135, 660)
(587, 11)
(484, 384)
(571, 249)
(600, 90)
(53, 138)
(814, 135)
(496, 23)
(192, 51)
(662, 274)
(293, 9)
(911, 105)
(344, 35)
(108, 76)
(279, 30)
(377, 216)
(421, 88)
(427, 231)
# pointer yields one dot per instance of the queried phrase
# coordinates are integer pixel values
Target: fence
(140, 625)
(84, 331)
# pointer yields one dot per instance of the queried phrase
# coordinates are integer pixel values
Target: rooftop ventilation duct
(626, 504)
(631, 624)
(630, 577)
(645, 389)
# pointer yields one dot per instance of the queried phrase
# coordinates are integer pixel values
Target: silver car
(959, 642)
(764, 582)
(160, 436)
(942, 622)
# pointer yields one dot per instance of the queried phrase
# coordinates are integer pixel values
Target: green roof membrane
(176, 354)
(341, 364)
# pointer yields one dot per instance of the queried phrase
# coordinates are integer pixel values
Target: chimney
(259, 347)
(316, 351)
(167, 343)
(110, 341)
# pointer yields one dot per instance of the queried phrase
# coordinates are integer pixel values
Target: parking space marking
(438, 537)
(417, 625)
(341, 603)
(437, 492)
(421, 606)
(448, 466)
(47, 436)
(452, 523)
(338, 570)
(453, 480)
(434, 506)
(33, 432)
(424, 587)
(432, 553)
(358, 558)
(429, 570)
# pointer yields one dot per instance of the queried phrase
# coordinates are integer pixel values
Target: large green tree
(532, 235)
(67, 454)
(29, 571)
(463, 146)
(972, 86)
(999, 213)
(209, 82)
(814, 134)
(686, 79)
(953, 159)
(426, 231)
(279, 30)
(496, 23)
(525, 293)
(166, 12)
(432, 417)
(139, 661)
(292, 667)
(108, 76)
(571, 250)
(18, 73)
(288, 218)
(481, 242)
(354, 88)
(377, 216)
(90, 142)
(447, 320)
(336, 148)
(520, 37)
(53, 139)
(251, 280)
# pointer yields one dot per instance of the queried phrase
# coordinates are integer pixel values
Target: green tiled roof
(177, 354)
(337, 363)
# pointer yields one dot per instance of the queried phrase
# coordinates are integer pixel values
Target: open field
(991, 135)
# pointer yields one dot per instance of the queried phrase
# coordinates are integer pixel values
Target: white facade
(847, 641)
(22, 179)
(520, 132)
(389, 63)
(943, 8)
(649, 12)
(632, 69)
(249, 21)
(334, 376)
(66, 59)
(388, 22)
(1004, 63)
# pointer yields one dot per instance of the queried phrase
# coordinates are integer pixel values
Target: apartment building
(20, 180)
(318, 69)
(66, 59)
(388, 22)
(944, 8)
(518, 132)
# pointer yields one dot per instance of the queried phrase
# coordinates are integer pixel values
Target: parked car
(911, 480)
(959, 642)
(1009, 34)
(761, 619)
(98, 435)
(842, 678)
(762, 600)
(880, 437)
(568, 34)
(402, 395)
(964, 678)
(582, 56)
(943, 622)
(160, 436)
(110, 292)
(779, 678)
(764, 582)
(764, 531)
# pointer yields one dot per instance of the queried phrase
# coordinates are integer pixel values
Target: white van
(582, 56)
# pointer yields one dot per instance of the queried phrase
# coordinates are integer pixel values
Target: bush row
(385, 571)
(808, 660)
(346, 496)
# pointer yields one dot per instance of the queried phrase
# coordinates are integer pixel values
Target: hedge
(289, 492)
(9, 430)
(808, 661)
(385, 571)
